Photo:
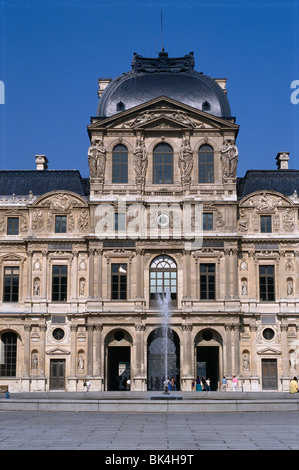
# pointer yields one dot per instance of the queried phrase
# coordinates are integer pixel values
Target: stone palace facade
(83, 261)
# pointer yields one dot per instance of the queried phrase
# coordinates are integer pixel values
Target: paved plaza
(149, 431)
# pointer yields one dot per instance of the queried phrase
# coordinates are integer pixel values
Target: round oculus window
(207, 335)
(163, 220)
(58, 334)
(268, 333)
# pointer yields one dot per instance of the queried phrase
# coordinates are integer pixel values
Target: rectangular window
(267, 283)
(12, 225)
(119, 222)
(118, 281)
(207, 281)
(60, 224)
(266, 223)
(59, 283)
(11, 284)
(207, 221)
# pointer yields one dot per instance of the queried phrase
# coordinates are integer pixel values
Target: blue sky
(53, 52)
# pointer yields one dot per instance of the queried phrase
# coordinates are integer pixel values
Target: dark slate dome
(163, 76)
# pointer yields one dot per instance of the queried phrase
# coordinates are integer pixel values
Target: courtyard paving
(149, 431)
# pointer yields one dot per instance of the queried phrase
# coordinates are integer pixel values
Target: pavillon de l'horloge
(83, 261)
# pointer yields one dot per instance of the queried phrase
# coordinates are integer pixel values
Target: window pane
(163, 164)
(206, 164)
(12, 225)
(120, 164)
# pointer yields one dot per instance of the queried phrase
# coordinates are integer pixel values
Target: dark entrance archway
(207, 364)
(156, 359)
(118, 367)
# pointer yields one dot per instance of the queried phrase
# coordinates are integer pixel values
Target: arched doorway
(207, 356)
(156, 347)
(118, 359)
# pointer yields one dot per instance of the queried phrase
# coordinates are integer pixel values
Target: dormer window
(120, 106)
(206, 106)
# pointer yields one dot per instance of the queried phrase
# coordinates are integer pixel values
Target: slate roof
(282, 181)
(20, 182)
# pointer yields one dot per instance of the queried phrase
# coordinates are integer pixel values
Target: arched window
(8, 354)
(120, 164)
(206, 164)
(163, 278)
(163, 164)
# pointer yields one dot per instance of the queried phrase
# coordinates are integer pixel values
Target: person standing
(235, 383)
(88, 384)
(208, 385)
(198, 385)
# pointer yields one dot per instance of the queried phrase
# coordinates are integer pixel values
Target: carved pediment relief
(60, 201)
(58, 352)
(265, 201)
(269, 352)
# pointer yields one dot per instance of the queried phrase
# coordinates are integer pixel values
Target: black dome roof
(163, 76)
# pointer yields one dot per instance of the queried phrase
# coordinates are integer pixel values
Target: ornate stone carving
(97, 159)
(186, 160)
(229, 158)
(140, 160)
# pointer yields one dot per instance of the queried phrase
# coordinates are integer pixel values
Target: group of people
(170, 384)
(201, 384)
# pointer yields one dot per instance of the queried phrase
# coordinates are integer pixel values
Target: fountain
(165, 308)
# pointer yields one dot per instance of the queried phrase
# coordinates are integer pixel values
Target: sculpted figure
(229, 158)
(186, 160)
(97, 159)
(140, 160)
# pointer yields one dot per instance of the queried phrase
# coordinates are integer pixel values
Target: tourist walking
(223, 384)
(235, 383)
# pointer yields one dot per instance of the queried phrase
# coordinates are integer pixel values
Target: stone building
(83, 261)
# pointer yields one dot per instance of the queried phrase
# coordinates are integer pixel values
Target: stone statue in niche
(36, 287)
(140, 160)
(290, 289)
(34, 362)
(186, 160)
(80, 363)
(97, 159)
(229, 158)
(292, 360)
(245, 362)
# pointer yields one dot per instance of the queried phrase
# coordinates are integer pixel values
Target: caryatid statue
(186, 160)
(97, 159)
(140, 160)
(229, 158)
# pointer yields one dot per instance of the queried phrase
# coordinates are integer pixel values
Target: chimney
(103, 83)
(282, 159)
(41, 162)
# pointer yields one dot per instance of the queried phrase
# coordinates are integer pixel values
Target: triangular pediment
(58, 352)
(269, 352)
(161, 112)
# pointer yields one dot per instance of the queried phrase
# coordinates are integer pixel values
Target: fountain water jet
(165, 308)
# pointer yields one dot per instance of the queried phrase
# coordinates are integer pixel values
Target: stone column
(235, 291)
(44, 276)
(139, 378)
(227, 272)
(73, 350)
(89, 350)
(97, 359)
(236, 348)
(42, 349)
(99, 254)
(27, 329)
(187, 359)
(228, 352)
(74, 279)
(91, 273)
(29, 274)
